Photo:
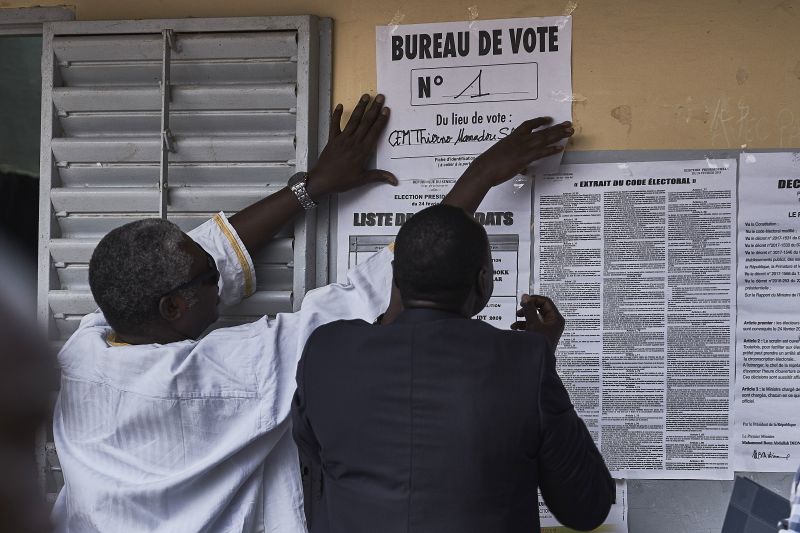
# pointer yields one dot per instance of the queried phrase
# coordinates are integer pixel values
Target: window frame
(313, 98)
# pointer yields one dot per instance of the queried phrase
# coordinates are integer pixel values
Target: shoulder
(517, 338)
(329, 342)
(339, 329)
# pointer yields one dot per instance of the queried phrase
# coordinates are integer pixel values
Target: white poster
(767, 412)
(640, 259)
(617, 521)
(369, 218)
(456, 88)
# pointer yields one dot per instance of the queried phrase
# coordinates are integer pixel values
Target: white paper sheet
(369, 218)
(617, 521)
(767, 401)
(639, 258)
(456, 88)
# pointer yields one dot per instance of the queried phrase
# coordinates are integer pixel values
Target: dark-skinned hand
(527, 143)
(541, 316)
(506, 158)
(341, 165)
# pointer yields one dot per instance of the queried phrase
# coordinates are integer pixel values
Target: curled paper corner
(563, 96)
(571, 6)
(397, 19)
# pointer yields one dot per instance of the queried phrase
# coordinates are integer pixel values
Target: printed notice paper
(616, 522)
(369, 218)
(639, 257)
(456, 88)
(767, 408)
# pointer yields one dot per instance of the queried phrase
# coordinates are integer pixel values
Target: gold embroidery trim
(111, 340)
(240, 254)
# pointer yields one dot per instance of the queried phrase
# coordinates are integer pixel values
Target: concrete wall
(656, 74)
(648, 74)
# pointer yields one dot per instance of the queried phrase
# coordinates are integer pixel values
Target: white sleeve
(281, 340)
(237, 275)
(364, 295)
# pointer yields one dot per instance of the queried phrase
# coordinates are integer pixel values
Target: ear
(485, 284)
(172, 307)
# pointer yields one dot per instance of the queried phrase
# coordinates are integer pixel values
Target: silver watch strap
(299, 190)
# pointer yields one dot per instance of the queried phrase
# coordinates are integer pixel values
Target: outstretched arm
(341, 167)
(575, 482)
(502, 161)
(507, 158)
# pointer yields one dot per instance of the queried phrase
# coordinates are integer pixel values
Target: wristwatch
(297, 183)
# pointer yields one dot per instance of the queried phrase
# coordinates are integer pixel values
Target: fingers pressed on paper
(549, 135)
(355, 118)
(533, 123)
(547, 308)
(377, 127)
(559, 134)
(383, 175)
(370, 116)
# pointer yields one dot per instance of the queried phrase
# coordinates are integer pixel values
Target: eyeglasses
(207, 277)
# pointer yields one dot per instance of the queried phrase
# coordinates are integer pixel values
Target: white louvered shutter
(177, 118)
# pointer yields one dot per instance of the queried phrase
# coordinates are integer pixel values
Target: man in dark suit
(438, 423)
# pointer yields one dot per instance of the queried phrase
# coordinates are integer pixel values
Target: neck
(458, 309)
(155, 334)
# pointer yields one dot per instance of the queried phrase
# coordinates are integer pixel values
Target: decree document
(767, 436)
(639, 257)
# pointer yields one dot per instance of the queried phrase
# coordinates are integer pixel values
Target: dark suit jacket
(438, 424)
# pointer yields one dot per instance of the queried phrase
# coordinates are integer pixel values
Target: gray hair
(135, 265)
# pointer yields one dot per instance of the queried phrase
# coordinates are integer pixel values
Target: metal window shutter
(241, 104)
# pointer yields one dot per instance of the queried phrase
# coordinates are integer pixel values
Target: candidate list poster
(640, 259)
(369, 218)
(767, 412)
(456, 88)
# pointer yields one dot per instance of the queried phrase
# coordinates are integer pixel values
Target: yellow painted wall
(648, 74)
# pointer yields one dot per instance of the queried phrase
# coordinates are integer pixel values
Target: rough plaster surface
(695, 75)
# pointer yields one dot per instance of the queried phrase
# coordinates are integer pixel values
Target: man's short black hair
(438, 255)
(135, 265)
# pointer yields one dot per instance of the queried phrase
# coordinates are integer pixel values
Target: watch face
(299, 177)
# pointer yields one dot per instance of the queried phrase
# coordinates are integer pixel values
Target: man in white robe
(159, 431)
